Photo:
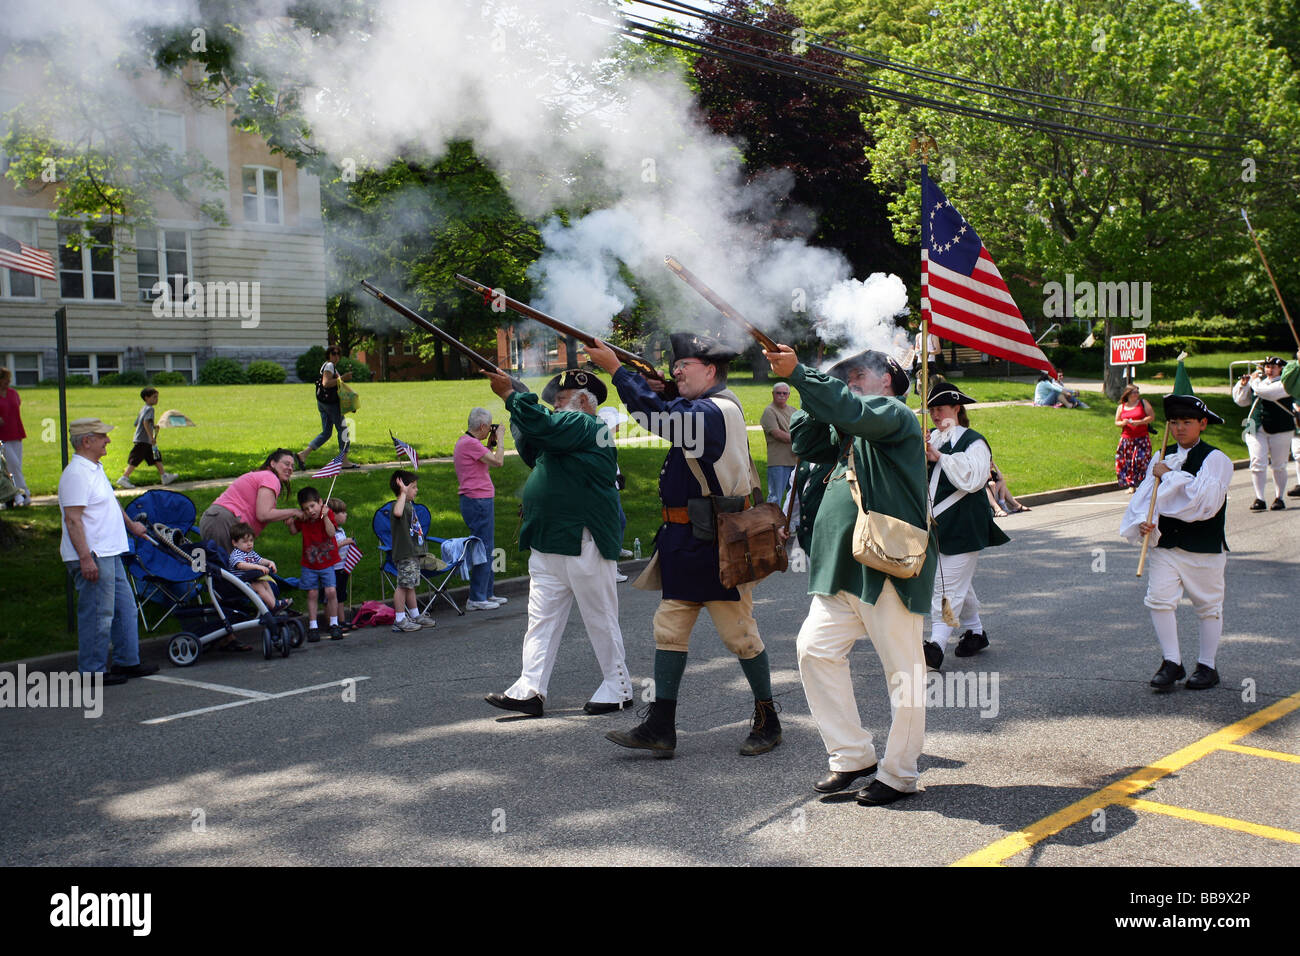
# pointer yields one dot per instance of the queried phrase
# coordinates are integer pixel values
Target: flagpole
(1276, 291)
(1151, 508)
(330, 494)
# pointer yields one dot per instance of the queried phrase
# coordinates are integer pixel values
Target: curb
(1086, 491)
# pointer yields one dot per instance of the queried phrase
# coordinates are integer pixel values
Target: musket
(438, 333)
(638, 362)
(716, 301)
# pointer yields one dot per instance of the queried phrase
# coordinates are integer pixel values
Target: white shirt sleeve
(1180, 495)
(1241, 394)
(968, 470)
(1269, 391)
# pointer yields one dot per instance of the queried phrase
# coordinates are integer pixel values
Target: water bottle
(636, 549)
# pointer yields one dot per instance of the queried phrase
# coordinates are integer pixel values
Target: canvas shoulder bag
(881, 541)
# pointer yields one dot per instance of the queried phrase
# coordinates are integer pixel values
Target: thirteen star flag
(962, 293)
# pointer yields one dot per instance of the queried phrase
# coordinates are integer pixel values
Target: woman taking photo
(472, 459)
(1133, 455)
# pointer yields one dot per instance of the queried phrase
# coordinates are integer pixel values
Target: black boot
(766, 733)
(657, 733)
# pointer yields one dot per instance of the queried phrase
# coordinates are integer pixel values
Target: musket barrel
(718, 303)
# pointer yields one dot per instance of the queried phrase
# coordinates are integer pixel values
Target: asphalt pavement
(379, 749)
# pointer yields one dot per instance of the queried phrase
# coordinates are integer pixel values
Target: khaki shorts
(408, 573)
(674, 621)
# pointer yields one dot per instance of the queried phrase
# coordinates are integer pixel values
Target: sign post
(1128, 350)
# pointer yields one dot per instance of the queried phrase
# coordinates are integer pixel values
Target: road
(417, 769)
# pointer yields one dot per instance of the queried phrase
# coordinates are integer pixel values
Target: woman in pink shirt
(12, 434)
(251, 498)
(472, 459)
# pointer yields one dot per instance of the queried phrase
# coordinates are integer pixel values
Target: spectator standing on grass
(250, 498)
(93, 542)
(12, 434)
(1133, 455)
(472, 459)
(776, 429)
(345, 544)
(144, 451)
(409, 549)
(320, 553)
(331, 414)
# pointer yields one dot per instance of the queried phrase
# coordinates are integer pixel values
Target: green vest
(967, 525)
(1199, 537)
(1272, 416)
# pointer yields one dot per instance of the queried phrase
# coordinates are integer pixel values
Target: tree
(1048, 204)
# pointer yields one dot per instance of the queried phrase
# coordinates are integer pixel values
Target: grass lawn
(1037, 448)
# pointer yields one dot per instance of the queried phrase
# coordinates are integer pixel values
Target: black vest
(1275, 416)
(1199, 537)
(968, 525)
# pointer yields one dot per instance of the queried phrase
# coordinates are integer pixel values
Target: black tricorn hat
(689, 345)
(1188, 406)
(574, 378)
(877, 361)
(945, 393)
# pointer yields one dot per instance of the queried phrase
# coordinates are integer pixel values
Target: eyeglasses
(679, 365)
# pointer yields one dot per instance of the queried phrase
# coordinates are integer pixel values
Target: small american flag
(417, 530)
(334, 467)
(21, 257)
(353, 556)
(404, 449)
(963, 296)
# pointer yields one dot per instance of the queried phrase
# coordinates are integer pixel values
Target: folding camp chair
(158, 576)
(437, 580)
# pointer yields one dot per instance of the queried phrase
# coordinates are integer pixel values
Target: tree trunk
(759, 364)
(1112, 381)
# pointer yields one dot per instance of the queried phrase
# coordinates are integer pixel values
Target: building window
(18, 285)
(26, 367)
(262, 195)
(159, 253)
(94, 364)
(167, 129)
(408, 349)
(182, 362)
(91, 271)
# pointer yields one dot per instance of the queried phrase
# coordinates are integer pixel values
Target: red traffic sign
(1128, 349)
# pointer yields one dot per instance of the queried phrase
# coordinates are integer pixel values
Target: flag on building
(334, 467)
(21, 257)
(351, 558)
(963, 295)
(404, 449)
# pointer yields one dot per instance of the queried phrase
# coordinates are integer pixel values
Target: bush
(1071, 335)
(1168, 346)
(168, 378)
(1072, 358)
(123, 378)
(309, 362)
(222, 371)
(266, 373)
(360, 372)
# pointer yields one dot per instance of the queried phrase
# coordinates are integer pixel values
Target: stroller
(231, 606)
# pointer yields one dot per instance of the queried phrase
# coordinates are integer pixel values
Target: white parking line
(241, 703)
(221, 688)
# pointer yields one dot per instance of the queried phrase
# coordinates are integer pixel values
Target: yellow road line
(1212, 819)
(1258, 752)
(1036, 832)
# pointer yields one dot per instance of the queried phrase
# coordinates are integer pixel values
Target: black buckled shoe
(655, 733)
(838, 780)
(593, 709)
(971, 644)
(1166, 677)
(879, 794)
(532, 706)
(766, 731)
(1277, 505)
(933, 655)
(135, 670)
(1259, 505)
(1203, 678)
(1294, 492)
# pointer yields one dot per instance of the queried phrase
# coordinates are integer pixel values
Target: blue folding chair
(156, 576)
(439, 581)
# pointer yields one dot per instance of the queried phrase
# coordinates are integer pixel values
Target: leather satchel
(883, 542)
(750, 545)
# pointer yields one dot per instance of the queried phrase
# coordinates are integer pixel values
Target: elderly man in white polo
(94, 540)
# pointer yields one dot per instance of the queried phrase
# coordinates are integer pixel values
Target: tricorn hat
(877, 361)
(574, 378)
(689, 345)
(1188, 406)
(945, 393)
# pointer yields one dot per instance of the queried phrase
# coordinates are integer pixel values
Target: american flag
(21, 257)
(962, 293)
(353, 556)
(417, 530)
(334, 467)
(404, 449)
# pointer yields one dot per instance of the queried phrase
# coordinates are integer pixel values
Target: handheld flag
(354, 555)
(404, 449)
(333, 467)
(963, 296)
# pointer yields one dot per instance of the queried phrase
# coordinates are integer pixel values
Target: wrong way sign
(1128, 349)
